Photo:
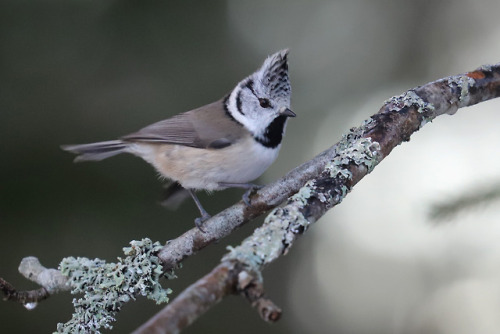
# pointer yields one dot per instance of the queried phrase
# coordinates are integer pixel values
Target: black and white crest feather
(275, 76)
(261, 101)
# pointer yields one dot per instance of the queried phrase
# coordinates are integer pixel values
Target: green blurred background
(84, 71)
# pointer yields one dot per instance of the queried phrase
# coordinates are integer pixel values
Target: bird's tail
(96, 151)
(173, 196)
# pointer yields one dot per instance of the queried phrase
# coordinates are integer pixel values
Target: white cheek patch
(244, 116)
(243, 104)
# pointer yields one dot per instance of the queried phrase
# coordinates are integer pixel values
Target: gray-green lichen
(106, 286)
(464, 83)
(353, 148)
(461, 83)
(282, 225)
(411, 98)
(304, 193)
(270, 241)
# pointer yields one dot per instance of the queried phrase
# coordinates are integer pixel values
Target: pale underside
(198, 168)
(201, 148)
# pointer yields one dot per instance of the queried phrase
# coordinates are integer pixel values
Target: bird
(224, 144)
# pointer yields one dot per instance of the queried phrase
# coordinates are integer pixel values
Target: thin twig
(50, 280)
(23, 297)
(229, 277)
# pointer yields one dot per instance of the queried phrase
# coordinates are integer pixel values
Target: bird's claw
(246, 195)
(198, 222)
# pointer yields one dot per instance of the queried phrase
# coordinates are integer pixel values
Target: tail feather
(173, 196)
(96, 151)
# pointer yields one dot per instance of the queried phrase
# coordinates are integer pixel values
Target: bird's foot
(200, 220)
(246, 195)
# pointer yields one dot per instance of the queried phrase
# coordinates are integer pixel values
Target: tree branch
(50, 280)
(235, 216)
(319, 184)
(229, 277)
(23, 297)
(336, 171)
(394, 123)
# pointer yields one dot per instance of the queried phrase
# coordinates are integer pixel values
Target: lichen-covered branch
(230, 219)
(104, 287)
(394, 123)
(107, 286)
(337, 170)
(229, 277)
(316, 186)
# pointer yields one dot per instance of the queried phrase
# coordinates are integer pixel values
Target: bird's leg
(204, 214)
(249, 186)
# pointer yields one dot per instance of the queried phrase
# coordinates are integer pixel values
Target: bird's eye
(264, 103)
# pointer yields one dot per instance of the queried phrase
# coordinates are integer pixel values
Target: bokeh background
(83, 71)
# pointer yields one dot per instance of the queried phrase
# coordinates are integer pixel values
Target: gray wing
(205, 127)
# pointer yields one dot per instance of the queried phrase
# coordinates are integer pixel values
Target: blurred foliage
(475, 198)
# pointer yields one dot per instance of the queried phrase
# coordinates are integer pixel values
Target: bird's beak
(287, 112)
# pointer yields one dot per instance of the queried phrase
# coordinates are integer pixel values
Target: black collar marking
(273, 135)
